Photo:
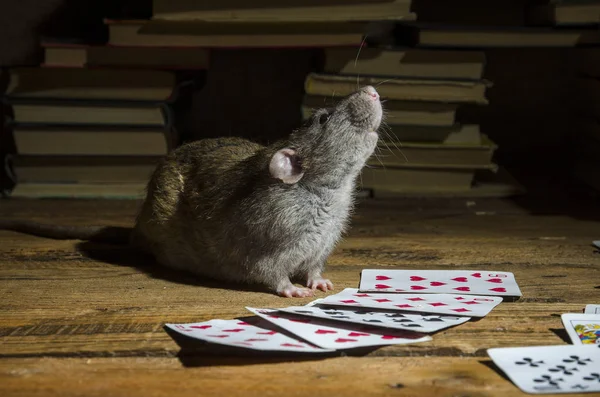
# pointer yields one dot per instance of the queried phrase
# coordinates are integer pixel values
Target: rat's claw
(295, 292)
(320, 283)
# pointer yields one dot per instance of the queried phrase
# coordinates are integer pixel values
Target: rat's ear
(285, 165)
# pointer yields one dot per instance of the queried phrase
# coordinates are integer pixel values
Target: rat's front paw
(294, 292)
(320, 283)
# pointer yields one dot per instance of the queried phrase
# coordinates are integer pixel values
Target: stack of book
(88, 132)
(422, 148)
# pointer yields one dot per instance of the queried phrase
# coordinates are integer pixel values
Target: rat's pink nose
(371, 91)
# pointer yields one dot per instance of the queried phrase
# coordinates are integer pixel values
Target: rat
(237, 211)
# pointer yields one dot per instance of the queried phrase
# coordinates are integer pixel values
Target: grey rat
(238, 211)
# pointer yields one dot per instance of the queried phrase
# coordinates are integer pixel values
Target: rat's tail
(100, 234)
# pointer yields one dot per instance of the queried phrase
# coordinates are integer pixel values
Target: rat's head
(335, 143)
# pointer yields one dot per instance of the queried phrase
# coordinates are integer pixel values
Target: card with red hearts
(329, 334)
(457, 305)
(260, 335)
(468, 282)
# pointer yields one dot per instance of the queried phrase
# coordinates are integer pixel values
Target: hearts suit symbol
(267, 333)
(351, 334)
(463, 289)
(478, 275)
(389, 337)
(436, 283)
(495, 280)
(290, 345)
(417, 278)
(382, 278)
(200, 326)
(297, 320)
(498, 289)
(233, 330)
(342, 340)
(325, 331)
(382, 286)
(256, 340)
(417, 287)
(460, 279)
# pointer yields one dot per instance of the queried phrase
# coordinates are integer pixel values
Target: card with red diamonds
(467, 282)
(260, 335)
(458, 305)
(329, 334)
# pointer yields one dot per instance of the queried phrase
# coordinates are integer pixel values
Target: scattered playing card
(387, 319)
(583, 329)
(457, 305)
(592, 309)
(596, 243)
(550, 369)
(335, 335)
(466, 282)
(259, 335)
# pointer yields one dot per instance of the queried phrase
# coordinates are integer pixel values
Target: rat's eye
(323, 118)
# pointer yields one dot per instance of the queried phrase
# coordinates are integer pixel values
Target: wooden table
(80, 320)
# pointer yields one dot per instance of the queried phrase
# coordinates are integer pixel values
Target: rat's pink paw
(295, 292)
(320, 283)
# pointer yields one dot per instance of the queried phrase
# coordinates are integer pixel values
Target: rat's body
(237, 211)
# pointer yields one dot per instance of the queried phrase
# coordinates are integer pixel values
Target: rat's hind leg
(311, 274)
(314, 281)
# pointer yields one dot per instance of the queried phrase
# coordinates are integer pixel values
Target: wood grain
(81, 319)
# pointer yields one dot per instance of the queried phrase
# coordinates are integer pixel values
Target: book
(43, 140)
(443, 36)
(78, 83)
(80, 190)
(565, 14)
(457, 134)
(430, 114)
(418, 179)
(114, 114)
(433, 154)
(484, 183)
(226, 34)
(311, 10)
(73, 55)
(400, 89)
(84, 169)
(404, 62)
(472, 12)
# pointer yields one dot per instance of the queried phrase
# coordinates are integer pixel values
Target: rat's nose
(371, 91)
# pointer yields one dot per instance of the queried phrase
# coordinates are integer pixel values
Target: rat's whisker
(356, 61)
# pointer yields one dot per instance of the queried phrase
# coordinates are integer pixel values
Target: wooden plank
(60, 300)
(148, 377)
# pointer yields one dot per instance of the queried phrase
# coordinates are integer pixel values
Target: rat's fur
(237, 211)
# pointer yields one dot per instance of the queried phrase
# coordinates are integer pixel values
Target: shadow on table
(490, 364)
(121, 255)
(198, 353)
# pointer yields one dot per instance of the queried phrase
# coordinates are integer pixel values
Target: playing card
(592, 309)
(259, 335)
(456, 305)
(583, 329)
(335, 335)
(467, 282)
(550, 369)
(387, 319)
(596, 243)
